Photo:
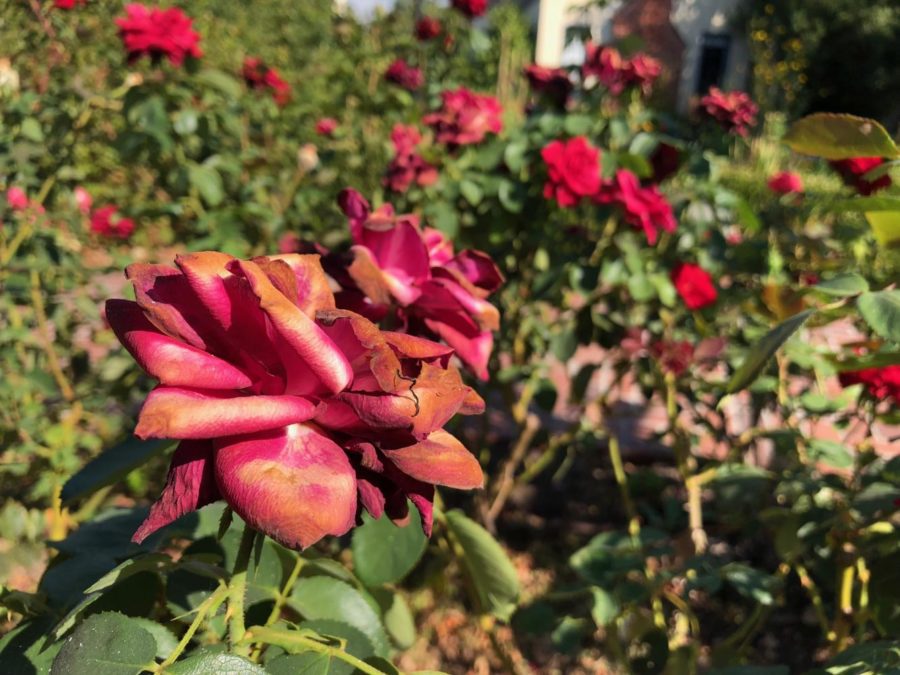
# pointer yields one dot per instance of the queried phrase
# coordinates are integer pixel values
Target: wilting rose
(154, 32)
(553, 83)
(695, 286)
(407, 166)
(412, 275)
(404, 75)
(326, 126)
(428, 28)
(297, 414)
(734, 111)
(107, 222)
(854, 171)
(573, 169)
(465, 117)
(881, 383)
(643, 207)
(471, 8)
(617, 73)
(786, 183)
(258, 75)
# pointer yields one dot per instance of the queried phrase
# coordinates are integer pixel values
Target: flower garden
(333, 347)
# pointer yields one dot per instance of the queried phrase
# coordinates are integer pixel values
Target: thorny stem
(278, 637)
(207, 606)
(237, 589)
(280, 599)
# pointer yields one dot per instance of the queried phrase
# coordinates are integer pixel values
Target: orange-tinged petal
(439, 459)
(160, 291)
(178, 412)
(370, 278)
(206, 273)
(364, 346)
(313, 290)
(294, 484)
(413, 347)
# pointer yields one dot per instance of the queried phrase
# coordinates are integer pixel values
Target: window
(713, 61)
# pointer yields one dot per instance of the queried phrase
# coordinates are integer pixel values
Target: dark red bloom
(854, 171)
(734, 111)
(786, 183)
(407, 166)
(554, 83)
(405, 75)
(882, 383)
(643, 207)
(471, 8)
(677, 356)
(326, 126)
(465, 117)
(665, 160)
(695, 286)
(68, 4)
(156, 33)
(617, 73)
(428, 28)
(258, 75)
(106, 222)
(573, 170)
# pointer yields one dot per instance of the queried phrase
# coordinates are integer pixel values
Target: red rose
(258, 75)
(326, 126)
(554, 83)
(665, 160)
(157, 32)
(615, 72)
(428, 28)
(786, 183)
(643, 207)
(107, 223)
(573, 169)
(854, 171)
(465, 117)
(882, 383)
(695, 286)
(734, 111)
(407, 166)
(471, 8)
(405, 75)
(68, 4)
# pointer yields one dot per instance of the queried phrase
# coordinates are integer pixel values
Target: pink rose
(407, 166)
(465, 117)
(734, 111)
(404, 75)
(326, 126)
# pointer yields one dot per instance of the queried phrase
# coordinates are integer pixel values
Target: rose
(297, 414)
(326, 126)
(854, 171)
(465, 117)
(471, 8)
(786, 183)
(106, 222)
(573, 169)
(694, 285)
(83, 200)
(158, 32)
(677, 356)
(404, 75)
(881, 383)
(258, 75)
(68, 4)
(615, 72)
(17, 199)
(554, 83)
(407, 166)
(734, 111)
(428, 28)
(643, 207)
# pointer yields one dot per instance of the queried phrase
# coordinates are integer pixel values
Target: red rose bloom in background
(471, 8)
(465, 117)
(405, 75)
(786, 183)
(326, 126)
(258, 75)
(617, 73)
(854, 170)
(428, 28)
(645, 208)
(573, 169)
(106, 222)
(407, 166)
(734, 111)
(695, 286)
(882, 383)
(68, 4)
(677, 357)
(554, 83)
(157, 33)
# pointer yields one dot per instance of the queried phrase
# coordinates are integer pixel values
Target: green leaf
(486, 564)
(328, 598)
(222, 81)
(578, 125)
(514, 155)
(606, 608)
(384, 553)
(881, 658)
(831, 453)
(866, 204)
(885, 226)
(843, 286)
(142, 563)
(106, 644)
(751, 582)
(764, 350)
(165, 639)
(838, 136)
(881, 311)
(344, 637)
(471, 191)
(208, 182)
(398, 619)
(307, 663)
(31, 129)
(221, 664)
(112, 466)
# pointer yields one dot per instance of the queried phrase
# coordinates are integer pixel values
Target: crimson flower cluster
(465, 117)
(158, 33)
(408, 166)
(734, 111)
(257, 75)
(617, 73)
(853, 171)
(403, 74)
(881, 383)
(428, 28)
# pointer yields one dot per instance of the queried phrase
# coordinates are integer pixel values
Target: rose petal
(313, 291)
(439, 459)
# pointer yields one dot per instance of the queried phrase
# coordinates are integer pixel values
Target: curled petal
(190, 484)
(364, 346)
(167, 359)
(439, 459)
(294, 484)
(178, 412)
(313, 290)
(478, 268)
(164, 294)
(412, 347)
(398, 249)
(472, 347)
(368, 276)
